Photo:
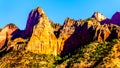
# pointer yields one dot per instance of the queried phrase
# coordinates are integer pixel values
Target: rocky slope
(76, 43)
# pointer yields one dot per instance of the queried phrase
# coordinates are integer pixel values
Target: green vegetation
(90, 55)
(26, 59)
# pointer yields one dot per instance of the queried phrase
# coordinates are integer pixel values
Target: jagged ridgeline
(92, 42)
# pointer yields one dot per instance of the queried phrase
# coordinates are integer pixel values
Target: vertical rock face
(33, 19)
(115, 31)
(79, 37)
(68, 28)
(6, 33)
(116, 18)
(98, 16)
(66, 31)
(75, 33)
(43, 40)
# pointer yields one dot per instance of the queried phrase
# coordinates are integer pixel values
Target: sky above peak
(16, 11)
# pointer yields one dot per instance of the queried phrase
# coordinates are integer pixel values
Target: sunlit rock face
(6, 32)
(116, 18)
(98, 16)
(43, 40)
(17, 44)
(103, 33)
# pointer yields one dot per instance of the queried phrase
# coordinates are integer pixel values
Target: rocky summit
(98, 16)
(6, 32)
(88, 43)
(43, 40)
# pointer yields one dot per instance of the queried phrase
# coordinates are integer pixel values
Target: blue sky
(16, 11)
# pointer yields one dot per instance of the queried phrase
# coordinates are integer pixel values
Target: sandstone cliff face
(98, 16)
(5, 33)
(43, 40)
(33, 19)
(66, 32)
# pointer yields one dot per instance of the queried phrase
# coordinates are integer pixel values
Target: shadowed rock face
(66, 31)
(116, 18)
(6, 32)
(79, 37)
(106, 21)
(115, 31)
(33, 19)
(83, 34)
